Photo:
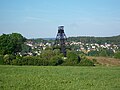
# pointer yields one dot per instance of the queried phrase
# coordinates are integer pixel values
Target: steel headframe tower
(60, 40)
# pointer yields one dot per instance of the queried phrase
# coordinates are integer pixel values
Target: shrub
(117, 55)
(8, 58)
(86, 62)
(72, 59)
(19, 61)
(56, 60)
(29, 60)
(1, 60)
(14, 62)
(47, 54)
(39, 62)
(93, 53)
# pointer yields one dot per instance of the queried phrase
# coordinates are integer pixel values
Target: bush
(39, 62)
(30, 60)
(86, 62)
(19, 61)
(14, 62)
(72, 59)
(56, 60)
(49, 58)
(8, 58)
(93, 53)
(117, 55)
(1, 60)
(25, 60)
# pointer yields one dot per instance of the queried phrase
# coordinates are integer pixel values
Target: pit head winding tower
(60, 40)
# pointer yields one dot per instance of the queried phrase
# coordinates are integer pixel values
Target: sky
(41, 18)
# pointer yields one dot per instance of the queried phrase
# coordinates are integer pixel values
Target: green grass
(59, 78)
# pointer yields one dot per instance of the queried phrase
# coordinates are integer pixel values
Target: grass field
(59, 78)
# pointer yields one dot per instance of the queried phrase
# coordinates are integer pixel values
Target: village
(78, 46)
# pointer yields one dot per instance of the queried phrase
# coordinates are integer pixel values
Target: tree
(25, 48)
(11, 43)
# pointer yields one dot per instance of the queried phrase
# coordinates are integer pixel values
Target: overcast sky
(41, 18)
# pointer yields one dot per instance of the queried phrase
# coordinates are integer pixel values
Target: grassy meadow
(59, 78)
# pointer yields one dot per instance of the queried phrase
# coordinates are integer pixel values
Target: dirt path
(106, 61)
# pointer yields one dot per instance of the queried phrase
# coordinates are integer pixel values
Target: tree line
(99, 40)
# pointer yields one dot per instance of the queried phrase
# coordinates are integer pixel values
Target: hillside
(85, 39)
(37, 40)
(99, 40)
(105, 61)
